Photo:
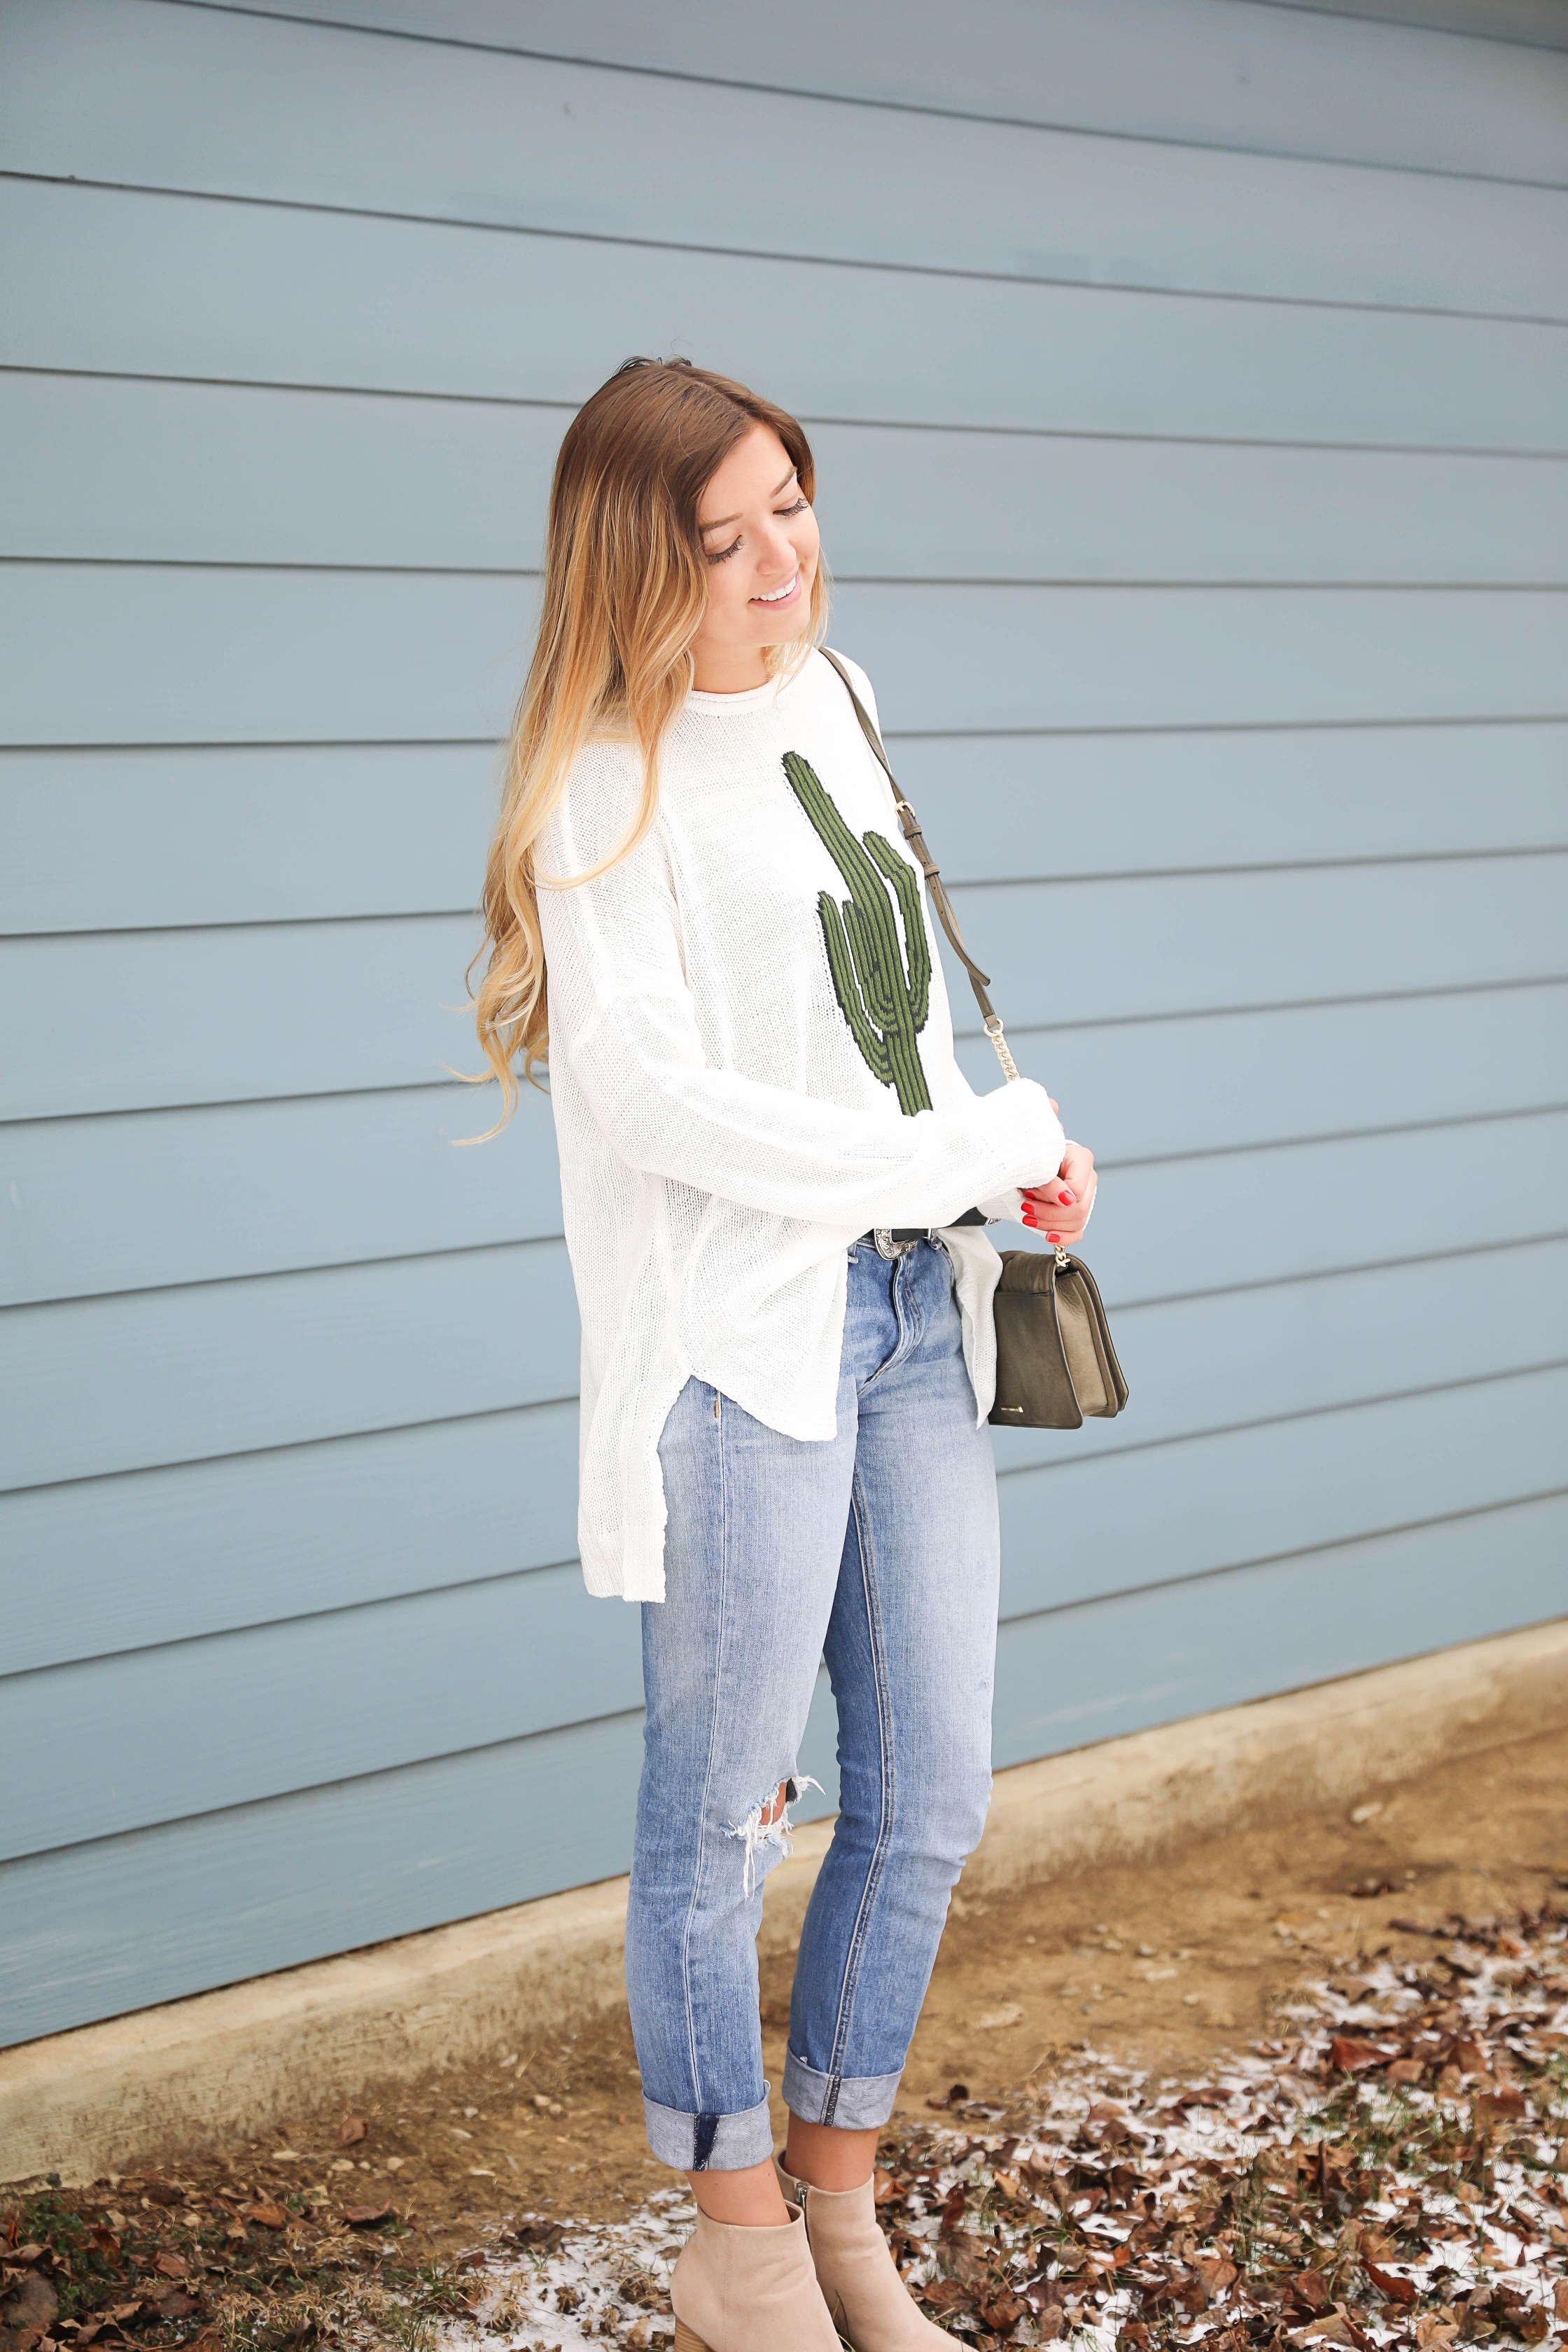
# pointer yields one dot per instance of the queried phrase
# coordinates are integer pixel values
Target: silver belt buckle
(886, 1245)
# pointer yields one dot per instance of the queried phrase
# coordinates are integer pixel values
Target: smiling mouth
(780, 595)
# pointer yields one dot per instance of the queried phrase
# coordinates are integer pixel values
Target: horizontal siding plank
(218, 1015)
(968, 657)
(973, 506)
(1005, 807)
(390, 1015)
(1225, 1081)
(1223, 75)
(370, 1859)
(245, 835)
(204, 1901)
(290, 1705)
(241, 474)
(1197, 941)
(182, 1375)
(135, 1199)
(244, 473)
(1066, 1678)
(98, 1385)
(263, 656)
(1176, 1226)
(277, 833)
(398, 305)
(1133, 1522)
(270, 656)
(169, 97)
(125, 1562)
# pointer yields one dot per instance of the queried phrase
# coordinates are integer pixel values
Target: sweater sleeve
(623, 1012)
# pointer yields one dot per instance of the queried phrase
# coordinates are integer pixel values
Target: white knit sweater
(741, 1055)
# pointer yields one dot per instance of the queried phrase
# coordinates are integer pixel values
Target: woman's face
(760, 539)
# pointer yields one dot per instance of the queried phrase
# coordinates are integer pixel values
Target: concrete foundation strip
(228, 2064)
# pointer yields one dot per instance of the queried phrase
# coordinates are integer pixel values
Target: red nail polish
(1066, 1199)
(1055, 1237)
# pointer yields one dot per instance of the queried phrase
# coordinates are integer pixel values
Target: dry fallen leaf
(172, 2303)
(1215, 2273)
(351, 2129)
(1348, 2055)
(1332, 2328)
(269, 2217)
(1392, 2283)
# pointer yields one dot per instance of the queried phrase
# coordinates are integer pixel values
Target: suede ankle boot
(747, 2290)
(855, 2269)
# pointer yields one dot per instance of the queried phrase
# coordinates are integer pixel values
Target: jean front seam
(916, 1322)
(885, 1825)
(907, 1320)
(696, 1875)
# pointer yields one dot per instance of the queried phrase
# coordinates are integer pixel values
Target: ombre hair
(626, 589)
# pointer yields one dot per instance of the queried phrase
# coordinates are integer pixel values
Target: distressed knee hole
(767, 1825)
(783, 1795)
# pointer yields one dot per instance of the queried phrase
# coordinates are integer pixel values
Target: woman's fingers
(1056, 1220)
(1057, 1229)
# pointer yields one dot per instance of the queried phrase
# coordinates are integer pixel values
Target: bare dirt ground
(1164, 1966)
(1160, 1965)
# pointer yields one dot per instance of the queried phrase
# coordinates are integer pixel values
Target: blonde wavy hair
(625, 588)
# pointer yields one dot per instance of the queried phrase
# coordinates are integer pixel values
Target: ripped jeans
(876, 1548)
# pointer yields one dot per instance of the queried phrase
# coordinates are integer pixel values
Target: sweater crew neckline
(751, 698)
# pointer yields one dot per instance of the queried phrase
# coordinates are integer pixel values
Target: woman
(787, 1347)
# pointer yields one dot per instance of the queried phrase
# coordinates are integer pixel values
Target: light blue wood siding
(1190, 384)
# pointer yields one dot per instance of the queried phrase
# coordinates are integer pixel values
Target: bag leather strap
(909, 826)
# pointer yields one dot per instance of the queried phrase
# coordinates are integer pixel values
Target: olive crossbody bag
(1055, 1365)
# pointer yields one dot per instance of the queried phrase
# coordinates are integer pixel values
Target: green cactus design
(884, 1007)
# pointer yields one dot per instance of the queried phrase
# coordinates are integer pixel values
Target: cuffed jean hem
(709, 2143)
(850, 2102)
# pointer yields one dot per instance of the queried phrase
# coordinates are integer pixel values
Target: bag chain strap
(909, 826)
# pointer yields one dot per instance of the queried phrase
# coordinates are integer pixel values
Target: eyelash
(722, 554)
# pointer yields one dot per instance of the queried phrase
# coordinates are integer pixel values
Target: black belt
(907, 1233)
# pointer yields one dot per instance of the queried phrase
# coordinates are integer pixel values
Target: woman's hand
(1059, 1208)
